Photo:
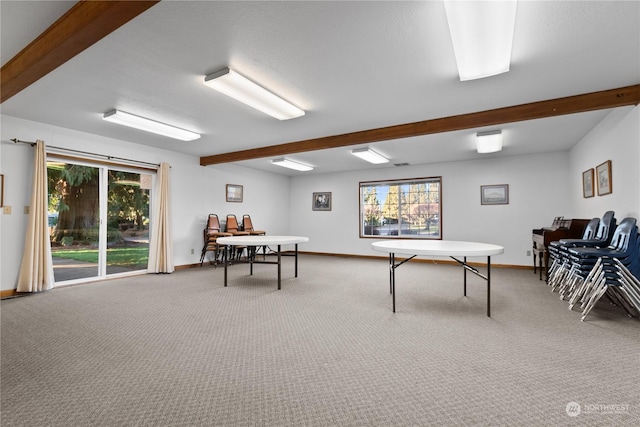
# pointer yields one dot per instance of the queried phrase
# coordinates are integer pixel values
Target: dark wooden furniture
(561, 228)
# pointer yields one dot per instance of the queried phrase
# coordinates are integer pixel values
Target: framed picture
(234, 193)
(321, 201)
(603, 175)
(1, 190)
(587, 183)
(494, 194)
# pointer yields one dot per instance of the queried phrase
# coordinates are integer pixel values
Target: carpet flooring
(326, 350)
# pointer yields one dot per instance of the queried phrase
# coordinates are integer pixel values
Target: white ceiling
(351, 65)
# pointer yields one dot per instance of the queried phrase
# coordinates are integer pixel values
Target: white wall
(616, 138)
(196, 191)
(538, 191)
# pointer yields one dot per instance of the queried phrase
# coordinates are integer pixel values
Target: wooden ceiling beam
(83, 25)
(624, 96)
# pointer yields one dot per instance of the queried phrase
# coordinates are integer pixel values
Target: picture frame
(1, 190)
(588, 184)
(234, 193)
(321, 201)
(603, 176)
(494, 194)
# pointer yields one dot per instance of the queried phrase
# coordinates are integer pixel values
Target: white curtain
(161, 244)
(36, 270)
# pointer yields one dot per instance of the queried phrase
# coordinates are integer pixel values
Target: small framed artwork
(234, 193)
(494, 194)
(321, 201)
(1, 190)
(603, 175)
(587, 183)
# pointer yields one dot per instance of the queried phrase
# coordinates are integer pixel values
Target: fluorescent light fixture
(482, 35)
(244, 90)
(131, 120)
(286, 163)
(489, 142)
(369, 155)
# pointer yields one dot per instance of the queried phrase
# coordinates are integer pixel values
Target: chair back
(247, 225)
(591, 229)
(232, 223)
(607, 227)
(213, 224)
(624, 231)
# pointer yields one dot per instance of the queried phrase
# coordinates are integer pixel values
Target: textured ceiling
(351, 65)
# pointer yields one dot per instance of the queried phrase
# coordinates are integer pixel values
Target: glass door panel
(127, 221)
(74, 220)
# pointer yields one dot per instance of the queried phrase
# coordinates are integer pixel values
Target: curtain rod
(17, 141)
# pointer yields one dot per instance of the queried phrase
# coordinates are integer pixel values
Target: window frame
(393, 182)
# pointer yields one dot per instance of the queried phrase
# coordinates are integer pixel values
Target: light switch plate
(7, 210)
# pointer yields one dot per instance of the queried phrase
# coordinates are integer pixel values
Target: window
(404, 209)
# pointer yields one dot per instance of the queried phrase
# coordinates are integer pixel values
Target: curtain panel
(161, 244)
(36, 269)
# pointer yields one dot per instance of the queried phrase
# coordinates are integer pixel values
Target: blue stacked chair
(619, 281)
(560, 269)
(589, 265)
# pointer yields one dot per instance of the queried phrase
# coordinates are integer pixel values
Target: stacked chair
(211, 233)
(561, 264)
(596, 271)
(233, 229)
(247, 225)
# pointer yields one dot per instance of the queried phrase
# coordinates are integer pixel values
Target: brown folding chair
(231, 226)
(211, 233)
(247, 225)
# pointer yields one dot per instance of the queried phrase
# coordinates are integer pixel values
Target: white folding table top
(261, 240)
(437, 247)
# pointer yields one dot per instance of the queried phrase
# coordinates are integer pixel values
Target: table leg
(250, 254)
(465, 277)
(296, 263)
(393, 280)
(489, 286)
(279, 267)
(224, 260)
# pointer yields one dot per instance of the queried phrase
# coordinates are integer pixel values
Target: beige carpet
(326, 350)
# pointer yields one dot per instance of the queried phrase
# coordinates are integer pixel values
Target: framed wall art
(234, 193)
(603, 175)
(321, 201)
(587, 183)
(494, 194)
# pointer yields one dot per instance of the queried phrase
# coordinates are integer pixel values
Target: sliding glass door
(98, 220)
(127, 221)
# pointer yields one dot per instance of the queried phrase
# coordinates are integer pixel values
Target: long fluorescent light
(482, 35)
(489, 142)
(291, 165)
(131, 120)
(244, 90)
(369, 155)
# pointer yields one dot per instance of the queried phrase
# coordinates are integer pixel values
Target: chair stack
(211, 233)
(595, 270)
(560, 268)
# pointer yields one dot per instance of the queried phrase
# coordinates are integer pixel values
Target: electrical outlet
(528, 253)
(7, 210)
(26, 210)
(192, 251)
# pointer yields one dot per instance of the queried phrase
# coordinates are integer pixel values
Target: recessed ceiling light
(131, 120)
(482, 36)
(291, 164)
(489, 142)
(369, 155)
(242, 89)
